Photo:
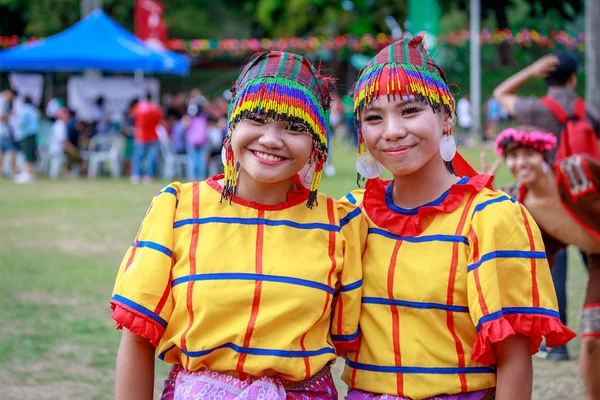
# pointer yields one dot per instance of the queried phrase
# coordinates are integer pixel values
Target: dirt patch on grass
(48, 299)
(30, 221)
(83, 306)
(75, 245)
(83, 246)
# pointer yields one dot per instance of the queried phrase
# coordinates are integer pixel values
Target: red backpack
(578, 135)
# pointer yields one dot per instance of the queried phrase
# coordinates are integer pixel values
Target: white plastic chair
(111, 152)
(171, 162)
(56, 164)
(43, 163)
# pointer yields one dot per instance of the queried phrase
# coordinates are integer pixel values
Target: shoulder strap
(555, 108)
(579, 111)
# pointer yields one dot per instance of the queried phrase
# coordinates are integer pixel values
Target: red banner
(149, 24)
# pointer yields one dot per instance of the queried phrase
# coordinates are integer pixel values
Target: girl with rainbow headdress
(564, 199)
(457, 292)
(246, 282)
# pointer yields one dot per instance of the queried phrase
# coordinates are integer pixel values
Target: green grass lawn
(60, 247)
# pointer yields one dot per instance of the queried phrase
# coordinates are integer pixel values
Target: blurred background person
(465, 118)
(60, 145)
(127, 128)
(8, 146)
(179, 135)
(100, 117)
(216, 131)
(147, 116)
(26, 125)
(348, 115)
(197, 149)
(492, 113)
(197, 99)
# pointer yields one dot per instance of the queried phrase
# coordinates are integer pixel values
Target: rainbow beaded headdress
(283, 86)
(402, 69)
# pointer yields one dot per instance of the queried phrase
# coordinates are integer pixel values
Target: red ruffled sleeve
(533, 326)
(142, 300)
(509, 286)
(136, 322)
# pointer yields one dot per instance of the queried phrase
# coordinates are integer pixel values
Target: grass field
(60, 246)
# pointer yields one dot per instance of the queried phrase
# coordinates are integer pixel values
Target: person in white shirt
(59, 140)
(463, 111)
(26, 125)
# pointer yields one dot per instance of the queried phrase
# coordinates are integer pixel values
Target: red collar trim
(294, 197)
(409, 224)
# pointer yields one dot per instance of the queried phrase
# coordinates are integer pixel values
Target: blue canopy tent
(96, 42)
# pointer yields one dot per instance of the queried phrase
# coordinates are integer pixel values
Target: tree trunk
(504, 49)
(592, 52)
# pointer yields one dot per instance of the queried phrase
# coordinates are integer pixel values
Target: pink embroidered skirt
(208, 385)
(487, 394)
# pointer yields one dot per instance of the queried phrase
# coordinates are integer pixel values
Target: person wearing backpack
(561, 112)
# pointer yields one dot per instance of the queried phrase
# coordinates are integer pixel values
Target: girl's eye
(256, 118)
(373, 117)
(297, 128)
(409, 110)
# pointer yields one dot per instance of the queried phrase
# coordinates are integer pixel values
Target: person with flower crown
(564, 199)
(248, 283)
(457, 293)
(562, 113)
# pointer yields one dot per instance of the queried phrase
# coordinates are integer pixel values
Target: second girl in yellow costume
(457, 292)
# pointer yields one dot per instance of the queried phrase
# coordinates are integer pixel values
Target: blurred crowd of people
(493, 115)
(182, 137)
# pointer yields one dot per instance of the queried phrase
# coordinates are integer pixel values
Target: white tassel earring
(223, 155)
(368, 167)
(448, 147)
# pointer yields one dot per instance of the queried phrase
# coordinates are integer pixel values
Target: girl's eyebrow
(400, 103)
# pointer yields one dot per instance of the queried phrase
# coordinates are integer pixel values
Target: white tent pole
(475, 88)
(49, 86)
(87, 6)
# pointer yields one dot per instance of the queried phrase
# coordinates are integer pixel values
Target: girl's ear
(447, 123)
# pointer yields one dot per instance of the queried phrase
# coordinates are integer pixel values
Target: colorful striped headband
(402, 69)
(282, 86)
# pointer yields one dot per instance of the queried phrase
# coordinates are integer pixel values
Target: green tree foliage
(185, 19)
(499, 10)
(45, 18)
(567, 9)
(214, 19)
(262, 18)
(285, 18)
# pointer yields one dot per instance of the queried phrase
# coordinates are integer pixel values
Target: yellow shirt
(242, 288)
(441, 283)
